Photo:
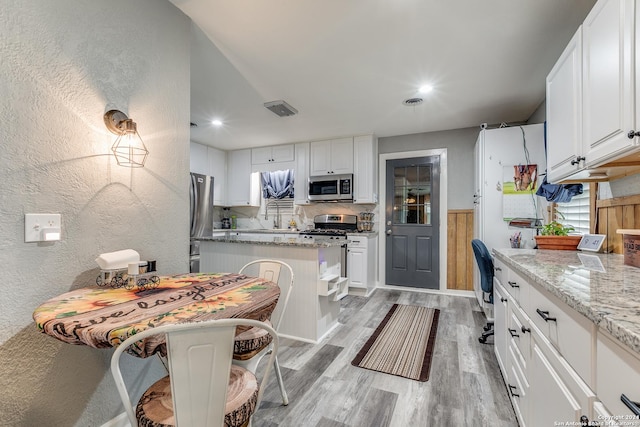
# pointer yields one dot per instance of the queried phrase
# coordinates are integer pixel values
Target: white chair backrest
(270, 270)
(199, 356)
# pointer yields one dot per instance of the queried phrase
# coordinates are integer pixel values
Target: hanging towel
(277, 185)
(559, 193)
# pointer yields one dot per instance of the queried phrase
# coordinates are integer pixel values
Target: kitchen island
(567, 335)
(314, 306)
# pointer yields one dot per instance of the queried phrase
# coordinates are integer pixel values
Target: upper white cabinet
(301, 173)
(331, 156)
(213, 162)
(217, 160)
(198, 159)
(365, 171)
(608, 73)
(274, 154)
(564, 112)
(243, 187)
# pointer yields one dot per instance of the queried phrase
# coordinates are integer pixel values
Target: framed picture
(591, 242)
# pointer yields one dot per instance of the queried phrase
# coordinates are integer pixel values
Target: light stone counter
(609, 298)
(268, 239)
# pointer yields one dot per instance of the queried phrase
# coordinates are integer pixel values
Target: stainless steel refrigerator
(201, 195)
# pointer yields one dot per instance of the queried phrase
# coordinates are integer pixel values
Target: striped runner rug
(403, 343)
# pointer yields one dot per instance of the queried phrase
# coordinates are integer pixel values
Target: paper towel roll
(118, 259)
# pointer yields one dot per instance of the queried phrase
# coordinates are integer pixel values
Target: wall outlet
(34, 224)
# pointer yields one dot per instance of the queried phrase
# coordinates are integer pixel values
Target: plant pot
(558, 243)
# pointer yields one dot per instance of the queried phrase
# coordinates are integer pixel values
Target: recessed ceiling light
(216, 122)
(425, 89)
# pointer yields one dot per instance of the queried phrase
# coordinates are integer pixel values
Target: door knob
(388, 232)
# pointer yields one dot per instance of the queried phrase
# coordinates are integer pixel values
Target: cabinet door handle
(634, 406)
(511, 390)
(513, 284)
(513, 333)
(497, 269)
(632, 134)
(502, 299)
(577, 160)
(525, 330)
(545, 316)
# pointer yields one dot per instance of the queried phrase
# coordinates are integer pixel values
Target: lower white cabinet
(500, 307)
(545, 389)
(361, 263)
(618, 374)
(557, 394)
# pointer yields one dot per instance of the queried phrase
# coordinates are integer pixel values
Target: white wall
(64, 63)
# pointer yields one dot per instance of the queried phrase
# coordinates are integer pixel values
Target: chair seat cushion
(155, 408)
(250, 342)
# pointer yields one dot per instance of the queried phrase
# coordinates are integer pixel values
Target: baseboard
(119, 421)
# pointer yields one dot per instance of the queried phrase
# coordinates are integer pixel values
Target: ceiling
(348, 65)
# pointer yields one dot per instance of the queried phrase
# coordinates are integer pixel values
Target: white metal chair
(251, 346)
(203, 388)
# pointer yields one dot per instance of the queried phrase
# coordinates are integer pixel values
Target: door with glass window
(412, 221)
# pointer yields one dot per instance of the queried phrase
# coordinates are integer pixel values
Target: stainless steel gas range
(333, 227)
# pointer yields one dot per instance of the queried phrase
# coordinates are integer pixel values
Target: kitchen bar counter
(599, 286)
(270, 239)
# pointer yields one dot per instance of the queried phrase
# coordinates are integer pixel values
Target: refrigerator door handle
(194, 202)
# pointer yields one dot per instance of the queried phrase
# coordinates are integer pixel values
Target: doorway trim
(442, 229)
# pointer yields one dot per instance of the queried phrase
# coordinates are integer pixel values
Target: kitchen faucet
(277, 220)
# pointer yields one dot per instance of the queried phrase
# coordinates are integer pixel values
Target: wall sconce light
(128, 148)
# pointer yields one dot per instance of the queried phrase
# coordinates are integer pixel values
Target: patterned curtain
(277, 185)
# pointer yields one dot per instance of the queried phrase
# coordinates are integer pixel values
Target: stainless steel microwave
(331, 188)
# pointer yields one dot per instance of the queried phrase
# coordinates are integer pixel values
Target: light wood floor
(465, 387)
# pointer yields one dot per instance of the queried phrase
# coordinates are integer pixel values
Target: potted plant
(555, 235)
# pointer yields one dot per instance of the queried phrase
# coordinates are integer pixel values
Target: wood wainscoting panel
(614, 214)
(459, 253)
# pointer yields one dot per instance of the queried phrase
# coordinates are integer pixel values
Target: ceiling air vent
(412, 102)
(281, 108)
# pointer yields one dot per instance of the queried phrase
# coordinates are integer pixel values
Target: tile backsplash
(254, 217)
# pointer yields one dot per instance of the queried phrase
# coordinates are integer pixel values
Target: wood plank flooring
(465, 387)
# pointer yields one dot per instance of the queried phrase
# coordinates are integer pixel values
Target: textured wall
(64, 63)
(459, 144)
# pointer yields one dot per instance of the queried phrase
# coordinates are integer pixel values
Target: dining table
(105, 316)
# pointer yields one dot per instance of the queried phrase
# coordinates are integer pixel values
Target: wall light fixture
(128, 148)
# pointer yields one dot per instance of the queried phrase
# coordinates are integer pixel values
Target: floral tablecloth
(104, 317)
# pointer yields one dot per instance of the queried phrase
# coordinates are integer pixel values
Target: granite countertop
(599, 286)
(267, 239)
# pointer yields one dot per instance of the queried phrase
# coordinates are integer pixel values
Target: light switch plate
(34, 223)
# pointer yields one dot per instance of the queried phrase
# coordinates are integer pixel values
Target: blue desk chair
(485, 265)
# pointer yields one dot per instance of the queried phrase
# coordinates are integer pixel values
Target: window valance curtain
(277, 184)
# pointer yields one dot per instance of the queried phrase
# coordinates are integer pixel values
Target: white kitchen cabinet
(556, 393)
(198, 159)
(301, 174)
(217, 163)
(608, 74)
(365, 169)
(334, 156)
(213, 162)
(243, 187)
(617, 374)
(500, 306)
(544, 385)
(273, 154)
(564, 113)
(610, 53)
(361, 262)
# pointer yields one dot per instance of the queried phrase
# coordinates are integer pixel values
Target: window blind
(576, 212)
